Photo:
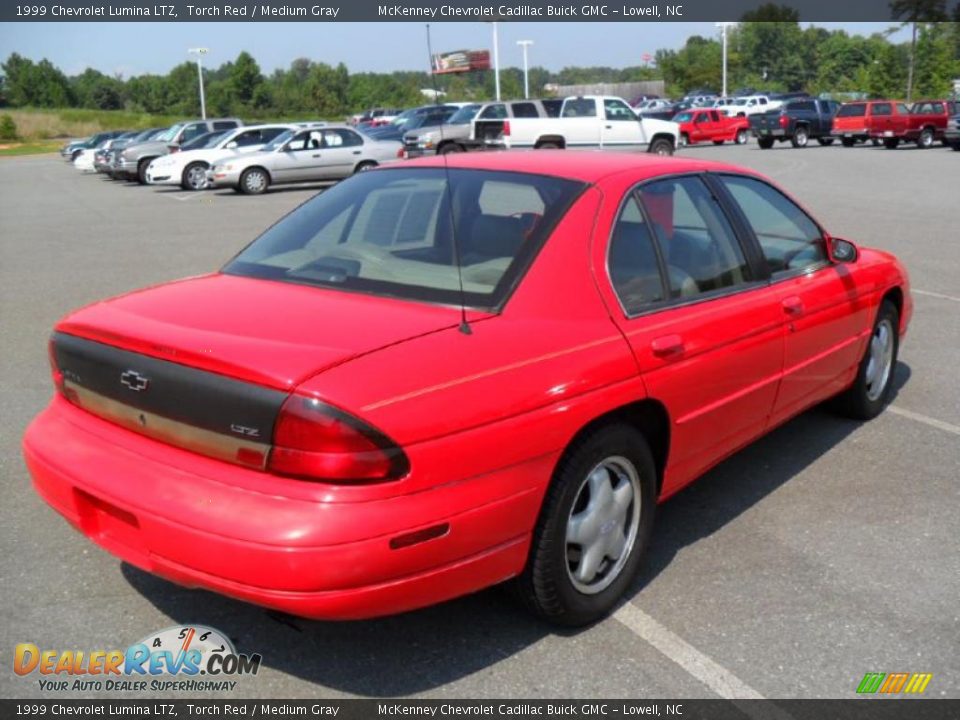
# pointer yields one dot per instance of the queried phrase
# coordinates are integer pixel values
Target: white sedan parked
(298, 156)
(188, 168)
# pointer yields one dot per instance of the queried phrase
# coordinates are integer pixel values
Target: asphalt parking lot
(826, 550)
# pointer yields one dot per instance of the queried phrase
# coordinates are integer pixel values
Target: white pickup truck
(587, 122)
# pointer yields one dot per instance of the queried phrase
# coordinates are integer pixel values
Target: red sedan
(433, 378)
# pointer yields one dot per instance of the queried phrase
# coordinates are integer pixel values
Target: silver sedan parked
(299, 156)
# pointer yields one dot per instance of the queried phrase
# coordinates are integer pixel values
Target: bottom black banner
(853, 709)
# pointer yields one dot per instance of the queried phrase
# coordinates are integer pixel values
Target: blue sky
(135, 48)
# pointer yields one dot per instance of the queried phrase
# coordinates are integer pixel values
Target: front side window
(697, 242)
(524, 110)
(882, 109)
(193, 131)
(618, 111)
(402, 232)
(790, 240)
(632, 261)
(493, 112)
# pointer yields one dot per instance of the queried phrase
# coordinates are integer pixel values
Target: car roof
(586, 166)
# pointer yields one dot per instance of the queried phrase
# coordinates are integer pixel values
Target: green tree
(913, 12)
(245, 78)
(8, 128)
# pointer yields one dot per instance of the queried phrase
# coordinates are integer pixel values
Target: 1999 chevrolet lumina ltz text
(440, 376)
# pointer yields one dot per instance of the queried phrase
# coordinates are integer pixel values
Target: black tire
(848, 142)
(926, 139)
(891, 143)
(194, 176)
(548, 145)
(364, 166)
(75, 154)
(742, 138)
(142, 170)
(661, 146)
(254, 181)
(450, 148)
(765, 143)
(825, 141)
(800, 138)
(862, 400)
(874, 141)
(955, 146)
(718, 142)
(546, 585)
(684, 140)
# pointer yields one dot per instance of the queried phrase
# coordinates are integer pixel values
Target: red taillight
(317, 441)
(506, 127)
(784, 121)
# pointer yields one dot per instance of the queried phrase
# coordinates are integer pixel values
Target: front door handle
(667, 346)
(316, 155)
(357, 152)
(793, 305)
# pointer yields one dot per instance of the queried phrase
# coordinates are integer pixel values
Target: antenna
(464, 325)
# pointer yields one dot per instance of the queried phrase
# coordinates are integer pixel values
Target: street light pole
(496, 60)
(525, 44)
(200, 52)
(723, 31)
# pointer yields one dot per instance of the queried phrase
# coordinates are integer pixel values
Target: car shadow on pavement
(425, 649)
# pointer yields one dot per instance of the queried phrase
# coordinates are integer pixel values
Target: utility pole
(525, 44)
(496, 60)
(200, 52)
(723, 31)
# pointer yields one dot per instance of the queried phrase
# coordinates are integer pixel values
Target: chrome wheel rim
(603, 524)
(255, 181)
(879, 360)
(742, 138)
(197, 178)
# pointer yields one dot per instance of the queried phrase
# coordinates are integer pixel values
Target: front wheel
(926, 139)
(254, 181)
(848, 142)
(364, 166)
(891, 143)
(742, 137)
(194, 176)
(825, 141)
(874, 382)
(765, 143)
(142, 170)
(593, 528)
(451, 148)
(661, 146)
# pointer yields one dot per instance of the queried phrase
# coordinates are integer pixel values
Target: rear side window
(803, 106)
(194, 130)
(494, 112)
(855, 110)
(524, 110)
(579, 107)
(553, 107)
(697, 242)
(225, 124)
(902, 109)
(632, 261)
(881, 109)
(790, 240)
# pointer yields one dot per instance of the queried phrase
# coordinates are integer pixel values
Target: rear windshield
(207, 140)
(464, 115)
(852, 111)
(403, 232)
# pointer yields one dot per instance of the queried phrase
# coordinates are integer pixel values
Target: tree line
(768, 50)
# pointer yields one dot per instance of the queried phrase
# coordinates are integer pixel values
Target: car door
(703, 325)
(340, 152)
(293, 162)
(881, 114)
(621, 129)
(826, 320)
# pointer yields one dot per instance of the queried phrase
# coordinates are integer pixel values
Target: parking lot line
(932, 422)
(716, 677)
(933, 294)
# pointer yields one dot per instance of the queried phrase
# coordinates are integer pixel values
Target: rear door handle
(793, 305)
(357, 152)
(317, 155)
(667, 346)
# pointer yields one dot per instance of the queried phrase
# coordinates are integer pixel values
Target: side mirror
(842, 251)
(232, 145)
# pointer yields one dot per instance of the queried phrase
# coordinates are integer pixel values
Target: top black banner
(456, 11)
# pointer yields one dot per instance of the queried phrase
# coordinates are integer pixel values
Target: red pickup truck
(713, 126)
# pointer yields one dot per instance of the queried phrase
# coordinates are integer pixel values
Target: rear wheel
(765, 143)
(874, 382)
(742, 137)
(825, 141)
(956, 146)
(194, 176)
(926, 139)
(684, 139)
(254, 181)
(548, 145)
(848, 142)
(450, 148)
(364, 166)
(875, 142)
(891, 143)
(593, 528)
(800, 138)
(661, 146)
(718, 142)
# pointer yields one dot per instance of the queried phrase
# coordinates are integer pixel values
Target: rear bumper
(177, 515)
(769, 132)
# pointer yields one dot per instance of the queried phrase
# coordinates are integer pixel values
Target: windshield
(207, 140)
(400, 232)
(170, 133)
(683, 117)
(464, 115)
(279, 140)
